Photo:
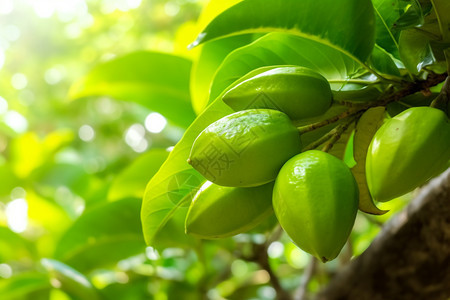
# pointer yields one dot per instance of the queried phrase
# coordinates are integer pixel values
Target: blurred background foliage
(73, 172)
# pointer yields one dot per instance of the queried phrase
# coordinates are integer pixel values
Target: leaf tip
(197, 41)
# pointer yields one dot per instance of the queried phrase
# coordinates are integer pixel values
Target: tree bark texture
(409, 259)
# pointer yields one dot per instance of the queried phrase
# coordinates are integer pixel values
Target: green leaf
(22, 286)
(51, 176)
(442, 9)
(415, 50)
(204, 68)
(131, 181)
(157, 81)
(102, 236)
(387, 12)
(9, 180)
(14, 247)
(347, 25)
(283, 49)
(366, 128)
(72, 282)
(413, 16)
(340, 147)
(382, 61)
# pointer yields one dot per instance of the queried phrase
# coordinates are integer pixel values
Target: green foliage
(349, 33)
(156, 80)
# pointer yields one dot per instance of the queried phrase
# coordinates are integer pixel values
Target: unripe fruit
(406, 151)
(218, 211)
(297, 91)
(246, 148)
(315, 199)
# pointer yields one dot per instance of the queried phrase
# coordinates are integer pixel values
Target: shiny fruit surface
(315, 199)
(406, 151)
(297, 91)
(218, 211)
(246, 148)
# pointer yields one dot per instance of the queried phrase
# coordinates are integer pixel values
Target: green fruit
(219, 211)
(315, 199)
(297, 91)
(246, 148)
(406, 151)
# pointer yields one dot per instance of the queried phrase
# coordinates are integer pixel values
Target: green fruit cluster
(254, 162)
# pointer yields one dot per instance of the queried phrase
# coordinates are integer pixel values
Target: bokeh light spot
(155, 122)
(86, 133)
(17, 215)
(6, 7)
(16, 121)
(19, 81)
(3, 105)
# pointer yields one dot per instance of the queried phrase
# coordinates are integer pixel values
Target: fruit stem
(410, 89)
(345, 114)
(337, 135)
(335, 132)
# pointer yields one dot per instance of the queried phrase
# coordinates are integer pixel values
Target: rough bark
(410, 258)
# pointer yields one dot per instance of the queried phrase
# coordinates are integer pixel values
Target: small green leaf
(415, 50)
(387, 12)
(72, 282)
(157, 81)
(383, 62)
(366, 128)
(347, 25)
(131, 182)
(103, 235)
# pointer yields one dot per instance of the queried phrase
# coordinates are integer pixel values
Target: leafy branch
(409, 89)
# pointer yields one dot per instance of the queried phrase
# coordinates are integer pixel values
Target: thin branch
(335, 137)
(411, 88)
(310, 270)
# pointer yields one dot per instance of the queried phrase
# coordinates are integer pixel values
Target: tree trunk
(410, 258)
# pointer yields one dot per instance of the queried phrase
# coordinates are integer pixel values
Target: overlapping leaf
(366, 128)
(347, 25)
(90, 240)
